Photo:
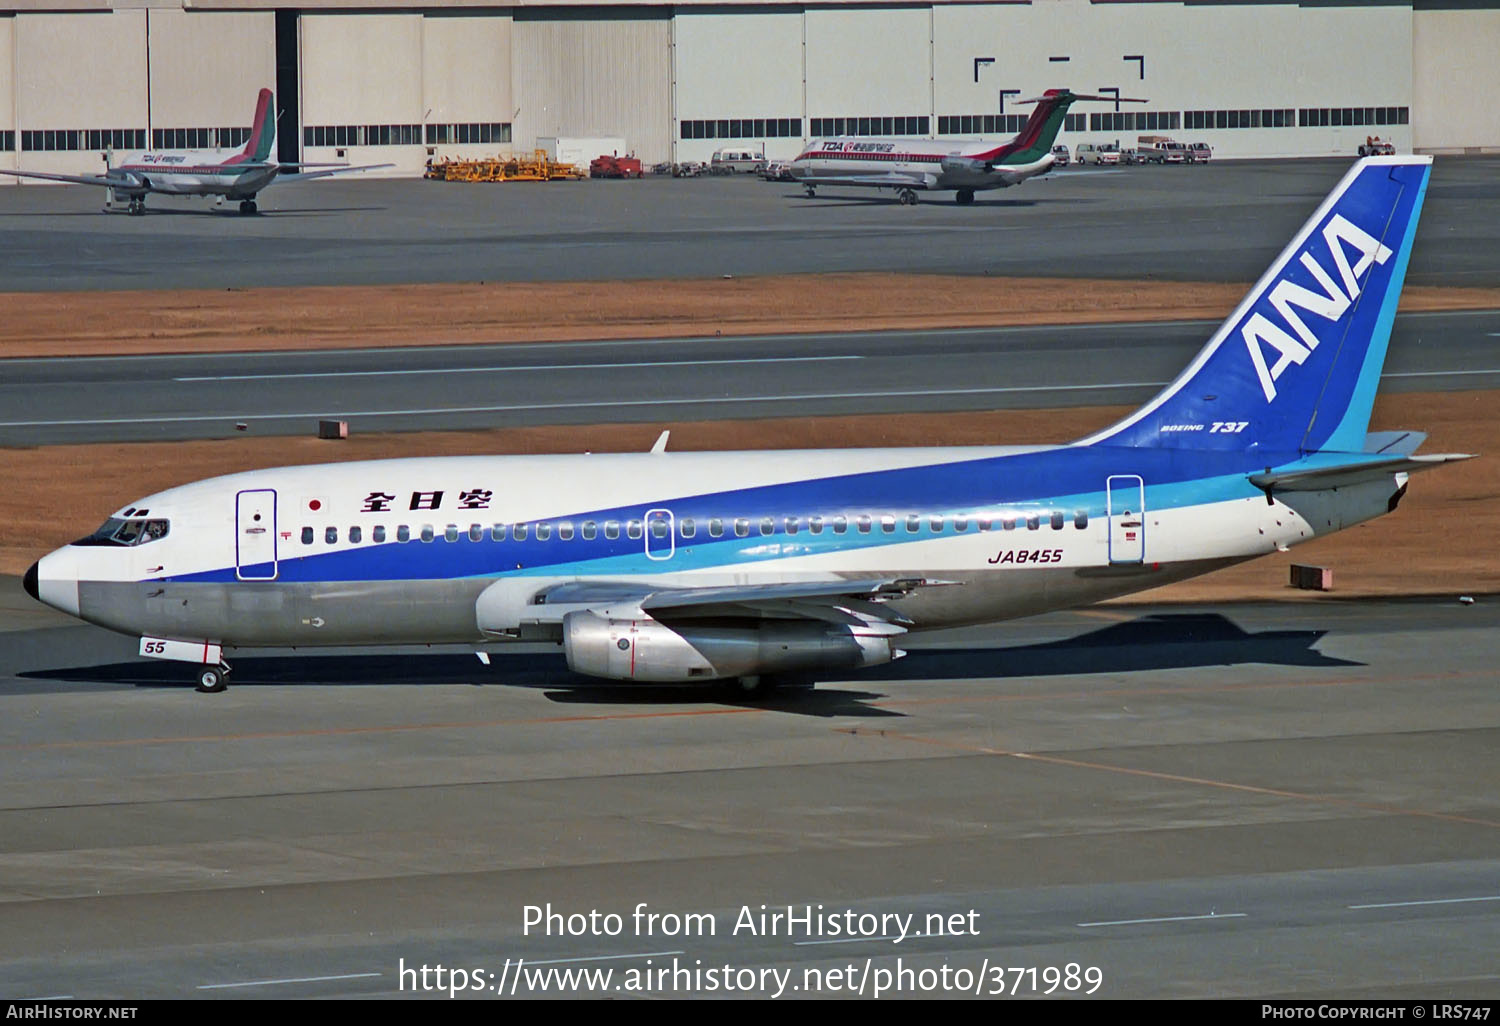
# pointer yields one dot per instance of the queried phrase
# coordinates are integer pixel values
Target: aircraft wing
(304, 176)
(1338, 475)
(889, 180)
(104, 180)
(837, 601)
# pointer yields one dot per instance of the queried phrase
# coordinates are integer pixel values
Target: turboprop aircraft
(234, 175)
(699, 566)
(909, 165)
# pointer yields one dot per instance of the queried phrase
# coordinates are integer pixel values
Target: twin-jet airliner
(759, 566)
(229, 174)
(910, 165)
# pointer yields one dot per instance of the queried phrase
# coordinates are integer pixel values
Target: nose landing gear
(213, 679)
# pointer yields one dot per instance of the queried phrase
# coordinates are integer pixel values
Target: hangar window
(8, 141)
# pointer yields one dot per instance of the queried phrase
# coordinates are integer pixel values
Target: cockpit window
(127, 531)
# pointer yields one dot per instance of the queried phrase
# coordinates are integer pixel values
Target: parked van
(735, 158)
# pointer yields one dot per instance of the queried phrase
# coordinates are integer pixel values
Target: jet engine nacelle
(965, 167)
(645, 650)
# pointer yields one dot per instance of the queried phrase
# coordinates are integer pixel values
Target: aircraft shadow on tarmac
(1154, 642)
(889, 201)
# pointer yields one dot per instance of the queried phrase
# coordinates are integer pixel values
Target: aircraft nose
(29, 582)
(53, 579)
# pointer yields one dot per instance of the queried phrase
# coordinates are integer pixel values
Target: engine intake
(646, 650)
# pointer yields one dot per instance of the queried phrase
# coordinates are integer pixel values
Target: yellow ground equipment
(532, 167)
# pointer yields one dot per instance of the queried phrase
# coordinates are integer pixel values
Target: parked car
(1060, 156)
(1083, 153)
(1132, 156)
(1199, 153)
(1107, 153)
(777, 171)
(1374, 147)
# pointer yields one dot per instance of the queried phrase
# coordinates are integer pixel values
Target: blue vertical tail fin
(1295, 367)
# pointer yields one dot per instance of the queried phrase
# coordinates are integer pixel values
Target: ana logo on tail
(1330, 304)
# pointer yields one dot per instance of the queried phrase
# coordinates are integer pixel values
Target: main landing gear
(213, 679)
(964, 197)
(137, 206)
(812, 190)
(908, 197)
(247, 206)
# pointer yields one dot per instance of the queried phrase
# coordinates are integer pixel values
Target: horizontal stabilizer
(1394, 443)
(1338, 475)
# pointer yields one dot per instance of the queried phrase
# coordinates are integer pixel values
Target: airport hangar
(369, 81)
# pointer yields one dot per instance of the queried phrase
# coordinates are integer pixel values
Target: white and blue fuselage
(700, 566)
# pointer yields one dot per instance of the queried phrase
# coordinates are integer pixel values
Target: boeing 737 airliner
(238, 174)
(668, 566)
(908, 165)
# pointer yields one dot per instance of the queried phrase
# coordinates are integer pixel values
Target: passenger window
(518, 532)
(1057, 520)
(913, 523)
(863, 522)
(1008, 523)
(590, 530)
(1033, 522)
(689, 529)
(658, 528)
(331, 535)
(960, 523)
(497, 532)
(355, 534)
(716, 528)
(450, 533)
(767, 525)
(815, 525)
(984, 523)
(741, 527)
(378, 534)
(307, 536)
(565, 530)
(1081, 519)
(840, 525)
(427, 532)
(543, 531)
(888, 524)
(789, 525)
(936, 523)
(633, 529)
(476, 532)
(403, 533)
(611, 529)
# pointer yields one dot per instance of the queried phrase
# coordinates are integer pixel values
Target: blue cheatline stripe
(442, 560)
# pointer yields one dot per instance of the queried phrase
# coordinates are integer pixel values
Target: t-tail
(262, 132)
(1036, 137)
(1294, 369)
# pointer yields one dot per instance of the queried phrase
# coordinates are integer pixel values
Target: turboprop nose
(29, 582)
